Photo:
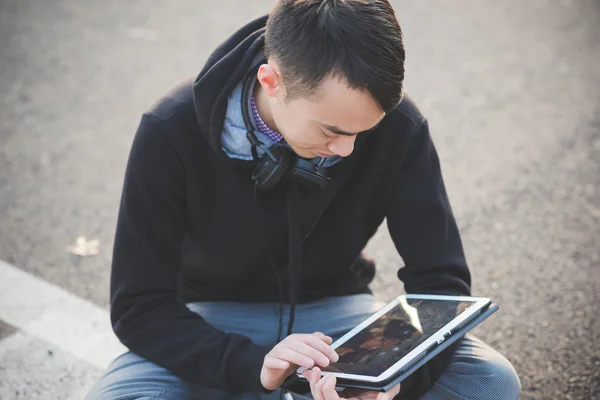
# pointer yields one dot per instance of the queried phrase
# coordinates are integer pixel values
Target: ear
(271, 80)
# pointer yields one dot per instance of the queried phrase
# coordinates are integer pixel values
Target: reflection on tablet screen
(394, 335)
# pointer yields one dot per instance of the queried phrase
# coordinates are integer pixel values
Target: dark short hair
(359, 40)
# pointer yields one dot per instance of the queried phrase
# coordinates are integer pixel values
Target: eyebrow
(338, 131)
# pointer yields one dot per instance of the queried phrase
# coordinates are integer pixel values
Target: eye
(325, 134)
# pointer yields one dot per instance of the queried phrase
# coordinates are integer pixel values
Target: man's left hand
(324, 389)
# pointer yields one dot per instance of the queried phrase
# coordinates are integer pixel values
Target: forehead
(335, 103)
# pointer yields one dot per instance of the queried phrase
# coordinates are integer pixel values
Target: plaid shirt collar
(260, 123)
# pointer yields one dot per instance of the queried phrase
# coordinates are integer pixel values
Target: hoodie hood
(224, 69)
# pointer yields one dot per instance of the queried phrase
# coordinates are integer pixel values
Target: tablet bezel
(414, 355)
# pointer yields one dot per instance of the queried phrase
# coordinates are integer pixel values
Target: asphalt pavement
(512, 93)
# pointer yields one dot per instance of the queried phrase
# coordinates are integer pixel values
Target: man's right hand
(296, 350)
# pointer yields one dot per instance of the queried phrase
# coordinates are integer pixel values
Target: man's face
(326, 123)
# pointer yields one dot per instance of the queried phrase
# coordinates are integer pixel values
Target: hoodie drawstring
(294, 270)
(295, 252)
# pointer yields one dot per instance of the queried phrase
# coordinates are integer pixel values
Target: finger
(288, 354)
(315, 375)
(360, 394)
(313, 342)
(307, 373)
(318, 387)
(352, 393)
(316, 340)
(394, 391)
(317, 356)
(316, 343)
(324, 337)
(276, 363)
(329, 388)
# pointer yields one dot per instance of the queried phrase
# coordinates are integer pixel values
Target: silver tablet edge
(413, 356)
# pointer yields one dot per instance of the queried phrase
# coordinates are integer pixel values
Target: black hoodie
(191, 227)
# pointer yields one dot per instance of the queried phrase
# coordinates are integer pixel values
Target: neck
(263, 107)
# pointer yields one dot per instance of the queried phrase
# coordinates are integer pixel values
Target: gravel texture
(42, 372)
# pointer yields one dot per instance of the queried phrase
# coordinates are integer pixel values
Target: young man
(257, 185)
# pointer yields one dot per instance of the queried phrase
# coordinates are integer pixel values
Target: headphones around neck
(278, 161)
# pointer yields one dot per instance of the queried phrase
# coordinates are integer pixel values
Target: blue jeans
(476, 371)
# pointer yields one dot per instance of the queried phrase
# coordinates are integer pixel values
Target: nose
(342, 145)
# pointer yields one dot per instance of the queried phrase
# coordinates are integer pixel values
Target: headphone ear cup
(267, 173)
(309, 174)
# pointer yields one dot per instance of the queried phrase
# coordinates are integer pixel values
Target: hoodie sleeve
(424, 231)
(145, 312)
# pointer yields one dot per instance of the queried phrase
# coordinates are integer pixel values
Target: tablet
(396, 337)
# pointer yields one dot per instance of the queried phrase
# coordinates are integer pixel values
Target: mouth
(324, 155)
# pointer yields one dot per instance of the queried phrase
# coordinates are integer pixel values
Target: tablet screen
(385, 341)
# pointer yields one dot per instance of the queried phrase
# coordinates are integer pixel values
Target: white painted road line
(49, 312)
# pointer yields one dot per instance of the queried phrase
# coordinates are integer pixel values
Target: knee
(137, 390)
(505, 381)
(479, 372)
(101, 392)
(125, 393)
(95, 394)
(132, 378)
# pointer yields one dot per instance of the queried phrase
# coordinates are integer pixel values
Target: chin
(305, 153)
(309, 155)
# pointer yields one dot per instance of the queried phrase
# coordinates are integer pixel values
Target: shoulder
(401, 134)
(177, 103)
(401, 125)
(406, 115)
(167, 118)
(172, 118)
